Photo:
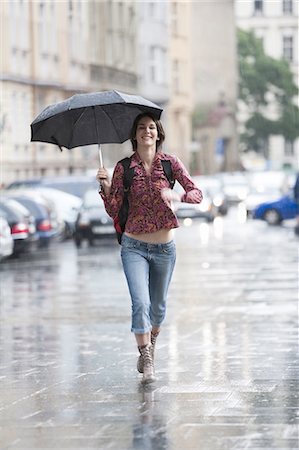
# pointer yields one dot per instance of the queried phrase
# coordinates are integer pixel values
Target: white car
(266, 186)
(205, 209)
(6, 240)
(235, 186)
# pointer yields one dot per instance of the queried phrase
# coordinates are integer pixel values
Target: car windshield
(265, 190)
(269, 182)
(35, 208)
(75, 186)
(209, 184)
(234, 181)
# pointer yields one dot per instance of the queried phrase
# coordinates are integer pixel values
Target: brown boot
(148, 365)
(140, 359)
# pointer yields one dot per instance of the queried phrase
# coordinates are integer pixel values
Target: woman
(147, 246)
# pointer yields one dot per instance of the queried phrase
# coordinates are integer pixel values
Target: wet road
(227, 358)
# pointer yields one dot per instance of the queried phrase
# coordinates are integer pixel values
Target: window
(152, 9)
(287, 6)
(157, 65)
(258, 7)
(43, 32)
(288, 148)
(287, 48)
(174, 18)
(175, 76)
(153, 64)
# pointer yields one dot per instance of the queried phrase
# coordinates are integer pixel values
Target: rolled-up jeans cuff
(140, 331)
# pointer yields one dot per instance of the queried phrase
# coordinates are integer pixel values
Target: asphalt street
(226, 359)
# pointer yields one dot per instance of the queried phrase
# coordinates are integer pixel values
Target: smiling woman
(147, 128)
(147, 248)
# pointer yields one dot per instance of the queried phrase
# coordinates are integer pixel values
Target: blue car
(276, 211)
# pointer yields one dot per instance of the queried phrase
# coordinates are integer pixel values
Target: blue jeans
(148, 269)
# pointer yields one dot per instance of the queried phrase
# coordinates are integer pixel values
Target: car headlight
(242, 194)
(217, 201)
(204, 206)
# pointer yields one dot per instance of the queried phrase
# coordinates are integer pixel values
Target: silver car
(6, 240)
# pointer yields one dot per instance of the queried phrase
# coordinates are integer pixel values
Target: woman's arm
(192, 193)
(112, 192)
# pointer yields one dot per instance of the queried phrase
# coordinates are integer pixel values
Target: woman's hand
(104, 179)
(169, 196)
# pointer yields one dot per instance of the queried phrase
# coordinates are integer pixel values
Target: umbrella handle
(100, 156)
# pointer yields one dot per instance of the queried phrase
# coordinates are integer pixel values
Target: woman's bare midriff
(159, 237)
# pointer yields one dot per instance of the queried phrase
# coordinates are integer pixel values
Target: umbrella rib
(119, 137)
(74, 126)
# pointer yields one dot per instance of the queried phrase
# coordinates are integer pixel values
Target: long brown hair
(160, 129)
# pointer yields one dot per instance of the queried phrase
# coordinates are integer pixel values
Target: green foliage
(258, 129)
(264, 80)
(289, 122)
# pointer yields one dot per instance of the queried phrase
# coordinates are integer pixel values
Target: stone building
(215, 80)
(180, 102)
(50, 51)
(179, 54)
(164, 68)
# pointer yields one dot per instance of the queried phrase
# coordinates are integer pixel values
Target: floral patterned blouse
(148, 212)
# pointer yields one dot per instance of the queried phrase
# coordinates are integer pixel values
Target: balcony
(108, 77)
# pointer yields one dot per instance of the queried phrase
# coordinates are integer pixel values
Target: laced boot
(140, 359)
(148, 366)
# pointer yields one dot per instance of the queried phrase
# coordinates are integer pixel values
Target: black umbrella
(95, 118)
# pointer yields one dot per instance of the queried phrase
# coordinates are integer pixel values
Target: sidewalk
(227, 361)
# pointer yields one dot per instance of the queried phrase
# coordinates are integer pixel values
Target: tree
(263, 82)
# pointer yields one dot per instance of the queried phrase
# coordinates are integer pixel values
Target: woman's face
(146, 132)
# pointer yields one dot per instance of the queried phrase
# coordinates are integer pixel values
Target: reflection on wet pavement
(227, 359)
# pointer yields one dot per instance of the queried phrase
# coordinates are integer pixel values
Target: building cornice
(42, 84)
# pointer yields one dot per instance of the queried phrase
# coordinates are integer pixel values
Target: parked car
(46, 225)
(266, 186)
(66, 206)
(274, 212)
(235, 186)
(206, 209)
(6, 240)
(93, 222)
(213, 187)
(21, 224)
(72, 184)
(256, 198)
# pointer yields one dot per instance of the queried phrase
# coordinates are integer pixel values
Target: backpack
(120, 220)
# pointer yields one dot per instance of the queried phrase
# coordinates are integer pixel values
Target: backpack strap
(128, 173)
(166, 164)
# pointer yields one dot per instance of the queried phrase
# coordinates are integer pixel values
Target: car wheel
(272, 217)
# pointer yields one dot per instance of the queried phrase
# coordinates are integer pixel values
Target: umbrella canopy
(93, 118)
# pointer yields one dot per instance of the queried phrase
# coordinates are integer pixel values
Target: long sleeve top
(148, 212)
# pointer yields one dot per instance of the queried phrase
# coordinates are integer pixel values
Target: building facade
(215, 82)
(153, 37)
(164, 62)
(50, 51)
(179, 111)
(178, 54)
(276, 24)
